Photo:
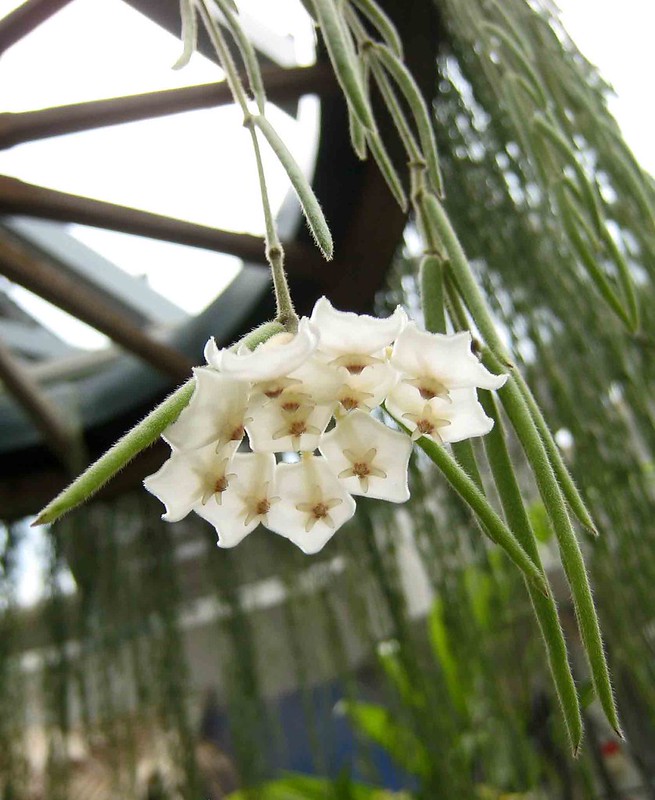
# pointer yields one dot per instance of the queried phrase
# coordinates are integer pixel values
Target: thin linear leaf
(141, 436)
(357, 134)
(308, 201)
(625, 277)
(189, 33)
(496, 529)
(492, 524)
(520, 56)
(543, 126)
(344, 61)
(510, 24)
(382, 23)
(573, 496)
(575, 226)
(387, 169)
(571, 556)
(545, 609)
(407, 85)
(230, 12)
(395, 111)
(355, 128)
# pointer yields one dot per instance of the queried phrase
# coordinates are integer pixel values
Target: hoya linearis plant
(505, 43)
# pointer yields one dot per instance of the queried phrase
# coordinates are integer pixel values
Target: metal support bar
(25, 18)
(40, 275)
(33, 341)
(17, 197)
(127, 293)
(281, 85)
(59, 437)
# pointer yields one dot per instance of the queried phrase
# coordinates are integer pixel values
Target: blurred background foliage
(404, 661)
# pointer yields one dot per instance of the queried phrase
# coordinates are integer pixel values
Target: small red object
(610, 748)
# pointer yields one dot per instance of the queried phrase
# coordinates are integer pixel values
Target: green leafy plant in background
(466, 684)
(303, 787)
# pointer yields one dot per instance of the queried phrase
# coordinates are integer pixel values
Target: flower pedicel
(284, 396)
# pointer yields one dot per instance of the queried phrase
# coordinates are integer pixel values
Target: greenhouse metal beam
(45, 416)
(25, 18)
(272, 47)
(17, 197)
(33, 341)
(128, 293)
(281, 85)
(41, 275)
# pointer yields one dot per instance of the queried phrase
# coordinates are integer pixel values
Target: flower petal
(278, 356)
(461, 417)
(446, 357)
(359, 444)
(215, 412)
(271, 430)
(212, 353)
(313, 504)
(466, 415)
(177, 485)
(344, 332)
(243, 505)
(368, 389)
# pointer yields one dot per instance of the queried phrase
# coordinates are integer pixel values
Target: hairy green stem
(431, 281)
(286, 313)
(436, 215)
(274, 252)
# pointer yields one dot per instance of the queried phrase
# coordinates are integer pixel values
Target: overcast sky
(617, 36)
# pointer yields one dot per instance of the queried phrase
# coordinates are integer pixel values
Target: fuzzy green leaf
(141, 436)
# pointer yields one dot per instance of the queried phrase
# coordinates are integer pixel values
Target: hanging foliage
(456, 674)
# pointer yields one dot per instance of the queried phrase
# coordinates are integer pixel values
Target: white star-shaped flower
(247, 501)
(192, 478)
(314, 383)
(443, 420)
(277, 357)
(368, 389)
(368, 457)
(436, 363)
(354, 341)
(275, 429)
(313, 503)
(216, 413)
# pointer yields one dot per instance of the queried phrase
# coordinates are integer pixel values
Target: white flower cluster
(285, 394)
